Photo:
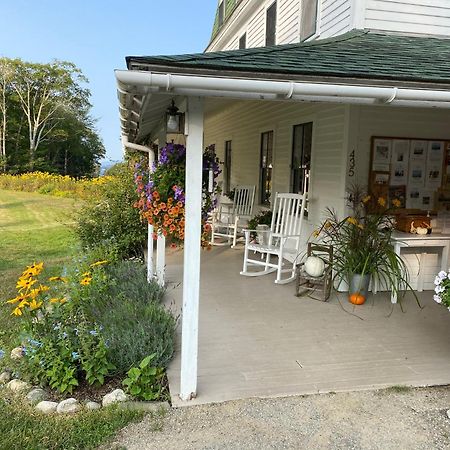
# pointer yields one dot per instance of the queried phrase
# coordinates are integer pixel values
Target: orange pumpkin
(356, 298)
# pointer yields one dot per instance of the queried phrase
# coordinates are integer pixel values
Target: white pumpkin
(314, 266)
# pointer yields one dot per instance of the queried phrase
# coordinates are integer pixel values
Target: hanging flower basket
(162, 192)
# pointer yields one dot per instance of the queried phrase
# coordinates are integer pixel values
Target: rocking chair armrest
(285, 236)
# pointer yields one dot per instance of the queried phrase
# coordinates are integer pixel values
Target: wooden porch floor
(257, 339)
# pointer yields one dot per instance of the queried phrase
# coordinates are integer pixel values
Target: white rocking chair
(282, 240)
(226, 223)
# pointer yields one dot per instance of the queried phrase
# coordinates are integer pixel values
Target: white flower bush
(442, 289)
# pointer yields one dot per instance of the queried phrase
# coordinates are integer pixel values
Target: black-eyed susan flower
(86, 281)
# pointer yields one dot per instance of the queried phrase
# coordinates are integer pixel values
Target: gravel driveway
(404, 419)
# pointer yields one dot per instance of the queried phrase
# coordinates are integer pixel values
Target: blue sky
(97, 35)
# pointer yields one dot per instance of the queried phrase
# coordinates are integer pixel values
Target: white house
(293, 85)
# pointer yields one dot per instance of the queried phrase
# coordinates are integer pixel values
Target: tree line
(45, 121)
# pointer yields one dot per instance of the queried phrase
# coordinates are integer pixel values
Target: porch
(256, 339)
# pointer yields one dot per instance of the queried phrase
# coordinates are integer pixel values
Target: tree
(5, 78)
(45, 121)
(46, 92)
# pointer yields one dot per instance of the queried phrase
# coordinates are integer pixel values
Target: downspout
(151, 159)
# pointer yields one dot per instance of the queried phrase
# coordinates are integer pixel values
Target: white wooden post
(151, 159)
(160, 259)
(191, 268)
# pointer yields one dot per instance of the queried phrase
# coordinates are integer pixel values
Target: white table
(429, 243)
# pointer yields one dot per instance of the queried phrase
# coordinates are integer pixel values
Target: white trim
(358, 14)
(191, 267)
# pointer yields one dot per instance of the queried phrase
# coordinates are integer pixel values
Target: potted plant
(362, 244)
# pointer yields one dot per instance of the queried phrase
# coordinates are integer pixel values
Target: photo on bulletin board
(400, 151)
(416, 174)
(380, 178)
(435, 152)
(414, 198)
(418, 151)
(381, 155)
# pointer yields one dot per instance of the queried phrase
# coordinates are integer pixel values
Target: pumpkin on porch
(356, 298)
(314, 266)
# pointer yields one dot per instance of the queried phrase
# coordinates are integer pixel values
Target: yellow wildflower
(352, 220)
(63, 300)
(99, 263)
(316, 233)
(396, 202)
(19, 298)
(381, 201)
(366, 198)
(35, 305)
(17, 312)
(86, 281)
(34, 269)
(86, 274)
(328, 224)
(63, 279)
(24, 283)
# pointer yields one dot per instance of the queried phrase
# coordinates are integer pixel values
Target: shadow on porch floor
(257, 339)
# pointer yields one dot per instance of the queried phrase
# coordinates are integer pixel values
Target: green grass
(22, 428)
(36, 227)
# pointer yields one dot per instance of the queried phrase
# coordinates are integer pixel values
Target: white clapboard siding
(243, 122)
(335, 17)
(411, 16)
(288, 22)
(256, 29)
(414, 123)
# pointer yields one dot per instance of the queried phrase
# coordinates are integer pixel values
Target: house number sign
(351, 164)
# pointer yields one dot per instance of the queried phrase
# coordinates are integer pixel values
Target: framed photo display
(410, 170)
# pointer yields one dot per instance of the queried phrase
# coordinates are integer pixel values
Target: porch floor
(257, 339)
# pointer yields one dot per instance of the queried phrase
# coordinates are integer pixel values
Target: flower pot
(359, 284)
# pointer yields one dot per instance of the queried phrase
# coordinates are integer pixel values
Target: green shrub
(146, 381)
(108, 217)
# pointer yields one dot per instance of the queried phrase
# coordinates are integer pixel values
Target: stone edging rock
(38, 397)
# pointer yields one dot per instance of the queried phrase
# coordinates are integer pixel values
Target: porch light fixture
(174, 120)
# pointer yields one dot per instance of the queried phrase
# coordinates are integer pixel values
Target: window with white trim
(271, 24)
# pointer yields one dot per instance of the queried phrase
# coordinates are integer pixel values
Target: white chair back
(288, 212)
(244, 199)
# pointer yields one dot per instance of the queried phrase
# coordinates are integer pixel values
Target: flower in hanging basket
(162, 192)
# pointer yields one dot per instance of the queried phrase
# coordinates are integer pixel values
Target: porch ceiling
(256, 339)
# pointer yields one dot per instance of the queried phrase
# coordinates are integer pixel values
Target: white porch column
(191, 268)
(151, 159)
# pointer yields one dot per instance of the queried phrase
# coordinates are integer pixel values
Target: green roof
(356, 54)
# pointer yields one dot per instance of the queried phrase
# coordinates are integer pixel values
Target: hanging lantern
(174, 120)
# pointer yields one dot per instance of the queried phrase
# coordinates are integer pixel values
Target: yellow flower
(396, 202)
(86, 281)
(24, 283)
(63, 279)
(316, 233)
(366, 198)
(17, 312)
(34, 269)
(352, 220)
(328, 224)
(35, 305)
(86, 274)
(99, 263)
(63, 300)
(19, 298)
(381, 201)
(54, 300)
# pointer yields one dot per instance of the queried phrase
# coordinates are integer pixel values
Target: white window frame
(316, 35)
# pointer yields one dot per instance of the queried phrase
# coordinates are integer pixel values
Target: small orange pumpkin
(356, 298)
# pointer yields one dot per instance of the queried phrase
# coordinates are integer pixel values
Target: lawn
(36, 227)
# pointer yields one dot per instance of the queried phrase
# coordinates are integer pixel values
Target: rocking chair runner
(225, 224)
(283, 240)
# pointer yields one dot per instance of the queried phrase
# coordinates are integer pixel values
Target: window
(301, 157)
(243, 41)
(271, 24)
(221, 12)
(227, 168)
(308, 21)
(265, 178)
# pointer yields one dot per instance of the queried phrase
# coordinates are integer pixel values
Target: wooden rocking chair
(226, 223)
(282, 240)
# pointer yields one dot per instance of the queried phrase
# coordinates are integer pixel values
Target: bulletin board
(414, 171)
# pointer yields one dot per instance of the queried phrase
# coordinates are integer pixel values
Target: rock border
(38, 397)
